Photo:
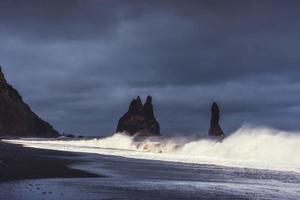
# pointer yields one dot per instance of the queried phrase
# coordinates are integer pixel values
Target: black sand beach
(35, 174)
(18, 163)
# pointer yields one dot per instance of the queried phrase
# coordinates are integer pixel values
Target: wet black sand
(35, 174)
(19, 163)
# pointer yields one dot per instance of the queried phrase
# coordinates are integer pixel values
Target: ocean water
(251, 163)
(139, 179)
(248, 147)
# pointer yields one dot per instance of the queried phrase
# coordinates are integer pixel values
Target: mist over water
(253, 147)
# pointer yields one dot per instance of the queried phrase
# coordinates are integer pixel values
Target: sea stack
(139, 120)
(215, 129)
(16, 117)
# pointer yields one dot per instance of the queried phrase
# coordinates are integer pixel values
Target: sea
(250, 163)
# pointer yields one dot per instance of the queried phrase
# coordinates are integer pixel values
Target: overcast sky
(79, 63)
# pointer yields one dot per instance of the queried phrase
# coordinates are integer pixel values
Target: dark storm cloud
(58, 19)
(79, 63)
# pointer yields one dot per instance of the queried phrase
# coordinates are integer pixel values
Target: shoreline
(63, 145)
(19, 163)
(49, 177)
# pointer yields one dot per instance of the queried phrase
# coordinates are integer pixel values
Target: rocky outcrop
(215, 129)
(139, 119)
(16, 117)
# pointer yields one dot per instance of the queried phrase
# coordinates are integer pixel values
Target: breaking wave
(251, 147)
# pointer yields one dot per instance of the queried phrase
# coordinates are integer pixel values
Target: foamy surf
(260, 148)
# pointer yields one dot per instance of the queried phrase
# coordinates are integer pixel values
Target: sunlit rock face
(16, 117)
(215, 129)
(139, 119)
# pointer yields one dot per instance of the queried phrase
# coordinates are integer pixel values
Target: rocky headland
(17, 118)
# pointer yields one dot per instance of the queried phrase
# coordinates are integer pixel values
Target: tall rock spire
(148, 107)
(215, 129)
(139, 101)
(136, 106)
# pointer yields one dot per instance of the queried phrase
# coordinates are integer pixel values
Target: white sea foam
(262, 148)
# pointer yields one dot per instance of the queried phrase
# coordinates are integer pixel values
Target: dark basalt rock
(215, 129)
(68, 135)
(139, 119)
(16, 117)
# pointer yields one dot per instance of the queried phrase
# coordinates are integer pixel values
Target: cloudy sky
(79, 63)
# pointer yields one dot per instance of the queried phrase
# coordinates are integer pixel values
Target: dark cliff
(16, 117)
